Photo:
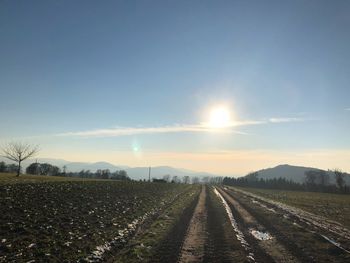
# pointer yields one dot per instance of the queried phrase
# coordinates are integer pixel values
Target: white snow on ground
(260, 235)
(124, 234)
(239, 233)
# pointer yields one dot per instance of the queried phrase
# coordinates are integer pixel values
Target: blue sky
(68, 67)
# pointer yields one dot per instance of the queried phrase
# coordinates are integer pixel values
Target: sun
(220, 117)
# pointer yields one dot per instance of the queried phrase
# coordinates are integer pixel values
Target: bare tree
(18, 152)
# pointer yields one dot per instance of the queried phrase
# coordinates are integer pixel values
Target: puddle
(239, 234)
(260, 235)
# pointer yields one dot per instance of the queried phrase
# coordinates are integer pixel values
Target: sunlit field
(332, 206)
(155, 131)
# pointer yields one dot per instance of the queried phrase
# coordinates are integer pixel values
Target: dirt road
(193, 247)
(225, 224)
(230, 225)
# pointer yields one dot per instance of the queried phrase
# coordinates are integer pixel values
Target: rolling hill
(294, 173)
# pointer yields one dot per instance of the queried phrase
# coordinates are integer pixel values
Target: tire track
(310, 222)
(193, 247)
(252, 228)
(239, 235)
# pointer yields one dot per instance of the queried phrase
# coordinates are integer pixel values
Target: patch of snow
(260, 235)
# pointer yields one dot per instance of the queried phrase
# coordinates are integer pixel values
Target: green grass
(332, 206)
(11, 178)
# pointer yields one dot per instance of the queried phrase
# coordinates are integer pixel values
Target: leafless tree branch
(18, 152)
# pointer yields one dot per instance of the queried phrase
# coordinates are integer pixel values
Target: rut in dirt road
(195, 239)
(264, 241)
(294, 229)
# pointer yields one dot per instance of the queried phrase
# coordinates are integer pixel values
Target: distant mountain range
(294, 173)
(290, 172)
(135, 173)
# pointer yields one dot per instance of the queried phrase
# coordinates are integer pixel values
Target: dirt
(67, 221)
(332, 231)
(222, 244)
(249, 225)
(298, 236)
(210, 225)
(315, 220)
(193, 246)
(169, 249)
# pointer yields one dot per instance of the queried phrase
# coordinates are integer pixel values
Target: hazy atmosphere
(225, 87)
(187, 131)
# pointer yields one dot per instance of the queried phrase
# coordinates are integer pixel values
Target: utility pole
(149, 174)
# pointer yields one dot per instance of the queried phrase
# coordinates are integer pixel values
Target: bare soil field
(62, 220)
(74, 220)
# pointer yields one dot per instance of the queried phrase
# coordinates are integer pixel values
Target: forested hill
(293, 173)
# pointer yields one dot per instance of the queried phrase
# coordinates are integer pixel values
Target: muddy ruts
(170, 247)
(295, 248)
(306, 244)
(221, 246)
(193, 247)
(260, 254)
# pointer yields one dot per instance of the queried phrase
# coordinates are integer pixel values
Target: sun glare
(220, 118)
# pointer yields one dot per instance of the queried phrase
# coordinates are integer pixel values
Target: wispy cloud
(347, 109)
(125, 131)
(204, 127)
(280, 120)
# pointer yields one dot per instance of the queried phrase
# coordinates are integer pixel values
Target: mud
(303, 239)
(269, 246)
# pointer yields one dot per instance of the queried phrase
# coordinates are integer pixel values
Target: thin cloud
(204, 127)
(125, 131)
(347, 109)
(281, 120)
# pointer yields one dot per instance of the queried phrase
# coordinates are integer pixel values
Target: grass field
(10, 178)
(332, 206)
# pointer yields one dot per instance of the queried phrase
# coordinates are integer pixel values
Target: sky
(134, 82)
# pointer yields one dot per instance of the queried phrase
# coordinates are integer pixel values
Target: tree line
(8, 168)
(314, 181)
(47, 169)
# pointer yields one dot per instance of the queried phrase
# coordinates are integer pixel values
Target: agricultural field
(75, 219)
(65, 220)
(8, 178)
(332, 206)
